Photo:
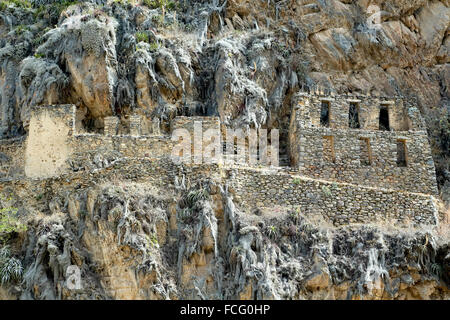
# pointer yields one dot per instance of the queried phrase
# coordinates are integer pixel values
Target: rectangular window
(402, 154)
(384, 119)
(353, 116)
(325, 114)
(328, 149)
(365, 152)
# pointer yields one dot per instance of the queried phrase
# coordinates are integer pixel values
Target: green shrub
(195, 196)
(19, 3)
(124, 2)
(36, 42)
(154, 240)
(9, 223)
(39, 12)
(63, 5)
(20, 29)
(295, 214)
(158, 19)
(171, 5)
(141, 36)
(154, 46)
(189, 204)
(155, 4)
(53, 11)
(272, 231)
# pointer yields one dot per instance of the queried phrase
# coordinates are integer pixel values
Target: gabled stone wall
(48, 143)
(402, 117)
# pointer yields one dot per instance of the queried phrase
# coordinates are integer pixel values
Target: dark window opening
(384, 119)
(401, 153)
(353, 116)
(325, 114)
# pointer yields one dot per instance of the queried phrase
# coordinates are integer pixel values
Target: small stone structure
(365, 153)
(353, 159)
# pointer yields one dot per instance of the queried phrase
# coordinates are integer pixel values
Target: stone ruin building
(370, 141)
(352, 159)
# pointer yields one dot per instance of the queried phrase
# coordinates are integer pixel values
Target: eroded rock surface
(132, 240)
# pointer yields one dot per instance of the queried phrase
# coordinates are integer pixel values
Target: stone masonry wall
(339, 203)
(88, 147)
(93, 151)
(201, 143)
(188, 123)
(349, 163)
(47, 146)
(402, 116)
(360, 193)
(12, 158)
(337, 153)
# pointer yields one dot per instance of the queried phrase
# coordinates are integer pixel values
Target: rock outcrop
(132, 240)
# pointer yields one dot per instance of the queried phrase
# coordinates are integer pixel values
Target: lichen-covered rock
(41, 82)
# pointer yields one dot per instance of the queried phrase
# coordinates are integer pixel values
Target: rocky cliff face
(241, 60)
(132, 240)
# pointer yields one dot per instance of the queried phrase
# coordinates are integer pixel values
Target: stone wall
(204, 138)
(53, 127)
(47, 146)
(88, 146)
(337, 202)
(188, 123)
(364, 156)
(372, 162)
(368, 185)
(402, 116)
(12, 158)
(357, 156)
